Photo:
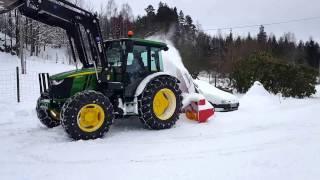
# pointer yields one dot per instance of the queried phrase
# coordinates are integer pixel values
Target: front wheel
(45, 117)
(87, 115)
(160, 103)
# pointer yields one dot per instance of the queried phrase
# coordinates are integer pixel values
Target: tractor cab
(133, 59)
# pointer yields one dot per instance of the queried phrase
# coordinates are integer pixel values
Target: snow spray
(173, 64)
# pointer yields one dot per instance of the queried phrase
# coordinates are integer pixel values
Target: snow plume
(173, 64)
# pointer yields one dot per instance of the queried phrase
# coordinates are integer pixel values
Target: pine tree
(150, 11)
(181, 19)
(312, 53)
(262, 35)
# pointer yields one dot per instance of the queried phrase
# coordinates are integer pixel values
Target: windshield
(114, 57)
(114, 54)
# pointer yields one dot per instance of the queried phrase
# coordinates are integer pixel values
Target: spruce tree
(262, 35)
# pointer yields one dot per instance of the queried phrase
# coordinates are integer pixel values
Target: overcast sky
(229, 13)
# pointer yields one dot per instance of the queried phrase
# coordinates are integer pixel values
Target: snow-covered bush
(277, 77)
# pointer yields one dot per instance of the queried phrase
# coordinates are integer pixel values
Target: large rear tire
(160, 103)
(45, 117)
(87, 115)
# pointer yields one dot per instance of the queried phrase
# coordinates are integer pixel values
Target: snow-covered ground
(50, 53)
(29, 83)
(267, 138)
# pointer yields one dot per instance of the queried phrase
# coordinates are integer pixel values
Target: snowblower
(121, 77)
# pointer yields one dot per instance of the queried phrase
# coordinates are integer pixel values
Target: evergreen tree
(150, 11)
(312, 53)
(181, 19)
(262, 35)
(199, 50)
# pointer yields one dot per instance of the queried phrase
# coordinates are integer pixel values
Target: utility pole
(220, 58)
(5, 32)
(232, 45)
(21, 42)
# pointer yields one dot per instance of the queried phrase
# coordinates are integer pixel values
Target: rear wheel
(160, 103)
(45, 117)
(87, 115)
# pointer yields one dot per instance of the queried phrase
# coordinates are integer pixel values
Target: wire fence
(29, 86)
(16, 87)
(8, 85)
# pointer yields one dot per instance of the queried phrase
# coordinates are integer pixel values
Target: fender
(147, 79)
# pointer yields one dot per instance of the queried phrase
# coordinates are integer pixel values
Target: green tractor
(136, 86)
(118, 78)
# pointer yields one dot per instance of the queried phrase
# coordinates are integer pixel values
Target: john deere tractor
(122, 77)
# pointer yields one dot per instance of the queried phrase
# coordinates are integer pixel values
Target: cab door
(137, 68)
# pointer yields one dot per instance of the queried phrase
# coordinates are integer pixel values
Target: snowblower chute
(8, 5)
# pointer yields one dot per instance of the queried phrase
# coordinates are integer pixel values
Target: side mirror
(166, 48)
(129, 46)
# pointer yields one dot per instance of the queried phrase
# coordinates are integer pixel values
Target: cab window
(139, 56)
(156, 60)
(113, 53)
(145, 58)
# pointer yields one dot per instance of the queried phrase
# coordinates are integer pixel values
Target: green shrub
(276, 76)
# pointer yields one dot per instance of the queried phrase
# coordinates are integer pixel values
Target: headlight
(56, 83)
(223, 102)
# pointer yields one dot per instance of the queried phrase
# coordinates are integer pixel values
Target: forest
(200, 51)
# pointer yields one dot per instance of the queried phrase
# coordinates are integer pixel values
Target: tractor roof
(143, 42)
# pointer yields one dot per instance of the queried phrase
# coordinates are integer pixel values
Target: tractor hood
(64, 85)
(8, 5)
(73, 73)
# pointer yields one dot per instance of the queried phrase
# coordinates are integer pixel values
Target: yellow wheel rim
(90, 117)
(164, 104)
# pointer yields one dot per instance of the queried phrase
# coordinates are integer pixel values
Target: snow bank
(257, 89)
(7, 60)
(318, 90)
(258, 97)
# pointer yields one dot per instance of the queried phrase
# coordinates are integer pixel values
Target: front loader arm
(63, 14)
(8, 5)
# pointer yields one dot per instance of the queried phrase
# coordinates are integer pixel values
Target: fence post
(18, 84)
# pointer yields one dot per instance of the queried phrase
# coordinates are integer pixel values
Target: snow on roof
(217, 94)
